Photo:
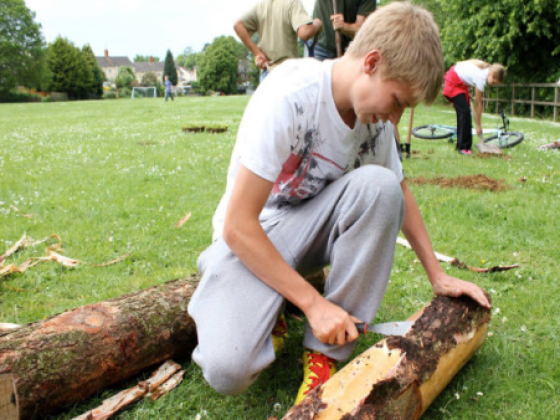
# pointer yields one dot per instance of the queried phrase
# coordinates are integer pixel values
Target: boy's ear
(372, 61)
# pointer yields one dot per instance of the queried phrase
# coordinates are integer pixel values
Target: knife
(386, 328)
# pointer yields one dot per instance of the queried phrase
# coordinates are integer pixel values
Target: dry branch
(399, 377)
(459, 264)
(70, 356)
(153, 385)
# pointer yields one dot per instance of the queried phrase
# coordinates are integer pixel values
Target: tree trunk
(399, 377)
(47, 365)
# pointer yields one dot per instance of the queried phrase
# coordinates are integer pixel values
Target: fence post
(533, 102)
(512, 99)
(555, 108)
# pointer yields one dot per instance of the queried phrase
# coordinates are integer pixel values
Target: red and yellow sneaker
(317, 369)
(279, 334)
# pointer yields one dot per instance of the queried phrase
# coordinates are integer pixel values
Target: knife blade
(385, 328)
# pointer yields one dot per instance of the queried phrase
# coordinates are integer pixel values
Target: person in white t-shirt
(458, 80)
(315, 179)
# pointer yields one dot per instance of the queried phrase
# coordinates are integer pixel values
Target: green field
(114, 178)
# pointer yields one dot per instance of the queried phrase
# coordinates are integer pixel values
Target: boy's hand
(331, 324)
(446, 285)
(338, 21)
(261, 60)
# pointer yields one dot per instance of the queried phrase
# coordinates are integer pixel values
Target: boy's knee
(382, 179)
(228, 377)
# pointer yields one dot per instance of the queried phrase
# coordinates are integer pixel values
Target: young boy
(315, 179)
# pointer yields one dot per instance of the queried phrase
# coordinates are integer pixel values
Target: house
(110, 65)
(184, 76)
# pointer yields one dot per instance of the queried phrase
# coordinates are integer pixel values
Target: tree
(169, 69)
(125, 77)
(150, 79)
(98, 75)
(144, 58)
(21, 46)
(71, 72)
(522, 35)
(189, 59)
(218, 70)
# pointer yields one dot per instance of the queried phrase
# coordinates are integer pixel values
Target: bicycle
(501, 137)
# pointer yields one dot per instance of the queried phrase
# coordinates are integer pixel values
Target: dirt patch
(491, 155)
(474, 182)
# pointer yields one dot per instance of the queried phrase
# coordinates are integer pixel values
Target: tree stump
(67, 358)
(399, 377)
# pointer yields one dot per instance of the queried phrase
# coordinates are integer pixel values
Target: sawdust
(474, 182)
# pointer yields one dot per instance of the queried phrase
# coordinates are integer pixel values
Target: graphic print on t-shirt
(368, 145)
(314, 161)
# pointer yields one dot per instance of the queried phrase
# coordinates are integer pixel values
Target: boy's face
(375, 99)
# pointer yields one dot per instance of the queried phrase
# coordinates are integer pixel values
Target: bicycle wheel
(506, 140)
(431, 132)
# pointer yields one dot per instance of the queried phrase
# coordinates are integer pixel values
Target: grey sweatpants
(352, 225)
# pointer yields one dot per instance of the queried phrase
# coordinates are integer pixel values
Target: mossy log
(67, 358)
(399, 377)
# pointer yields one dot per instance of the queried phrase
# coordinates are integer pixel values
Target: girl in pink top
(458, 80)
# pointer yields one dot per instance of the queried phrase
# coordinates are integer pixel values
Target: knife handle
(362, 327)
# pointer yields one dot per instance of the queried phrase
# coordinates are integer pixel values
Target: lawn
(113, 178)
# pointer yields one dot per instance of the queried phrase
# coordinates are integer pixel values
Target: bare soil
(491, 155)
(475, 182)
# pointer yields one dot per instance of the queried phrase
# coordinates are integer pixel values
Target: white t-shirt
(292, 134)
(472, 75)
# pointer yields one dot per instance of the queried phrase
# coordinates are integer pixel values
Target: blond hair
(497, 70)
(408, 39)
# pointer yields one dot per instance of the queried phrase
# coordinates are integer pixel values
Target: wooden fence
(516, 90)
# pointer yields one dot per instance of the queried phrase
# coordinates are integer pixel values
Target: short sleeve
(299, 16)
(366, 7)
(250, 20)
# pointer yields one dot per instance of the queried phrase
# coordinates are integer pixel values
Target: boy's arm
(261, 59)
(416, 233)
(246, 238)
(306, 32)
(348, 29)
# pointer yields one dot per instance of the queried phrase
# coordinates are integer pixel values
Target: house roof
(144, 67)
(113, 61)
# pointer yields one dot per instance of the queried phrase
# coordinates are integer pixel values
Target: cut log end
(399, 377)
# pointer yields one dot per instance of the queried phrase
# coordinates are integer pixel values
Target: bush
(125, 92)
(17, 96)
(109, 95)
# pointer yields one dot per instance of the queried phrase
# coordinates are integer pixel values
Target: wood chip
(183, 220)
(459, 264)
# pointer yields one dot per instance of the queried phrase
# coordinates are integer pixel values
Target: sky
(144, 27)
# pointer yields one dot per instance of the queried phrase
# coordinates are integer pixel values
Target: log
(399, 377)
(45, 366)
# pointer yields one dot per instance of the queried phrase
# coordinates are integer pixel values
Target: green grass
(114, 177)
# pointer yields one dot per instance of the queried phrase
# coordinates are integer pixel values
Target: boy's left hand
(446, 285)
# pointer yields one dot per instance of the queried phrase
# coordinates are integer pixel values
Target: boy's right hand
(331, 324)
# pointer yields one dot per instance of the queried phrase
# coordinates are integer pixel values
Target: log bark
(47, 365)
(399, 377)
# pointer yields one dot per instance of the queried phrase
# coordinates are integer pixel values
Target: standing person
(278, 24)
(458, 80)
(350, 16)
(168, 89)
(315, 179)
